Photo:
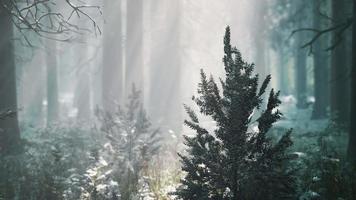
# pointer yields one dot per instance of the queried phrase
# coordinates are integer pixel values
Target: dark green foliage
(324, 173)
(51, 165)
(235, 162)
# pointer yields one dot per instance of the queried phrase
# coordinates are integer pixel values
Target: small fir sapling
(132, 142)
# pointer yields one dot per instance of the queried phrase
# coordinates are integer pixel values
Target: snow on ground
(298, 119)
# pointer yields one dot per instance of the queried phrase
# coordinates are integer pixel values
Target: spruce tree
(237, 160)
(133, 140)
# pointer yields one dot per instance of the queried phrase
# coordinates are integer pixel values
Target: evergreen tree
(133, 142)
(236, 161)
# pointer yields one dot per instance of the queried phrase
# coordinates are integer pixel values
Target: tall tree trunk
(134, 46)
(164, 102)
(52, 82)
(282, 72)
(35, 90)
(301, 73)
(352, 132)
(320, 69)
(9, 133)
(83, 90)
(339, 75)
(83, 96)
(112, 74)
(259, 37)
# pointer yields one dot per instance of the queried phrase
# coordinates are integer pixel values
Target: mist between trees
(177, 99)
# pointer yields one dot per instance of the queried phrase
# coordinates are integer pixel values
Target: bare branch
(340, 29)
(321, 13)
(44, 18)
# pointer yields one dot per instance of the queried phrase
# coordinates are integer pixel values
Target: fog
(103, 88)
(160, 47)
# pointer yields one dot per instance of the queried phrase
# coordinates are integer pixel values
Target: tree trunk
(282, 72)
(52, 82)
(112, 74)
(301, 73)
(339, 75)
(320, 69)
(164, 101)
(352, 132)
(83, 89)
(83, 96)
(259, 33)
(35, 90)
(134, 46)
(9, 133)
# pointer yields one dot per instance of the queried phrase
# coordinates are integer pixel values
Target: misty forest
(178, 99)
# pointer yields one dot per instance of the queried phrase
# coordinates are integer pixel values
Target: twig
(37, 16)
(339, 29)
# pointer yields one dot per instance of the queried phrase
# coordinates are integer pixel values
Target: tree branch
(38, 16)
(340, 29)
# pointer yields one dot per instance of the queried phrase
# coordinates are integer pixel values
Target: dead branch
(339, 29)
(47, 19)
